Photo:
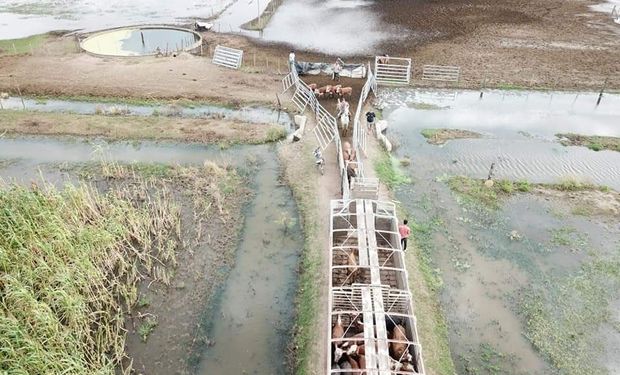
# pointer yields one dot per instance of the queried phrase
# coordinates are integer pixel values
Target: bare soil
(133, 127)
(587, 202)
(59, 70)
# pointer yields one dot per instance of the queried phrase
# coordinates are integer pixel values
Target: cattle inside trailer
(371, 325)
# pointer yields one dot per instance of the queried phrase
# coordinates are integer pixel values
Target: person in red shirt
(404, 231)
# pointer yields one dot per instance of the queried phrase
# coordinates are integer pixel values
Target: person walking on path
(291, 60)
(404, 231)
(370, 119)
(336, 73)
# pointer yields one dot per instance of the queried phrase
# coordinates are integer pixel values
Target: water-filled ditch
(252, 311)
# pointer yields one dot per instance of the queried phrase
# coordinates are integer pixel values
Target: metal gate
(441, 73)
(227, 57)
(392, 70)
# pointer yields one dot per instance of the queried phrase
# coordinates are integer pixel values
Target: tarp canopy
(348, 70)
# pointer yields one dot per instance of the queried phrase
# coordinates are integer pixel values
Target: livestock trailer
(370, 304)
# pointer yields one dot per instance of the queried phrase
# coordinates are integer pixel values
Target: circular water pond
(141, 41)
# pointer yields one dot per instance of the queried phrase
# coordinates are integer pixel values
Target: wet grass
(593, 142)
(146, 327)
(486, 360)
(475, 191)
(71, 260)
(427, 284)
(568, 237)
(21, 46)
(563, 315)
(562, 309)
(305, 192)
(388, 170)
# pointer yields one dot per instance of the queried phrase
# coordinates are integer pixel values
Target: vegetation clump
(22, 45)
(441, 136)
(489, 194)
(70, 261)
(593, 142)
(388, 171)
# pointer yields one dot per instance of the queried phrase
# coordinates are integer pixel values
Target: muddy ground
(550, 43)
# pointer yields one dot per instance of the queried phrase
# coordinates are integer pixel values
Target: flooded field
(21, 18)
(529, 284)
(518, 131)
(318, 25)
(227, 296)
(246, 114)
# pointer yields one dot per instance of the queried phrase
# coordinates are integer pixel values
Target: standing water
(521, 282)
(253, 326)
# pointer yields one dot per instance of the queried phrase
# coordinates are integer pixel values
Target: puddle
(254, 316)
(519, 129)
(21, 18)
(607, 7)
(485, 273)
(141, 41)
(325, 26)
(258, 115)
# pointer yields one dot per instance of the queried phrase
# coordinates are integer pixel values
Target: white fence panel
(227, 57)
(441, 73)
(392, 70)
(288, 81)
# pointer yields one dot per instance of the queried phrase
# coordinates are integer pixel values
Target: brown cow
(398, 350)
(345, 91)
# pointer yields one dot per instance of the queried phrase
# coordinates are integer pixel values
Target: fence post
(600, 95)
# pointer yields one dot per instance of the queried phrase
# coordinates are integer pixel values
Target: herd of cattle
(330, 91)
(348, 351)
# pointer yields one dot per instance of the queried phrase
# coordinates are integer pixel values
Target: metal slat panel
(227, 57)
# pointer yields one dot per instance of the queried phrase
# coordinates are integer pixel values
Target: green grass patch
(570, 184)
(563, 315)
(475, 191)
(441, 136)
(275, 133)
(593, 142)
(146, 327)
(22, 46)
(523, 186)
(429, 133)
(388, 171)
(568, 237)
(428, 284)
